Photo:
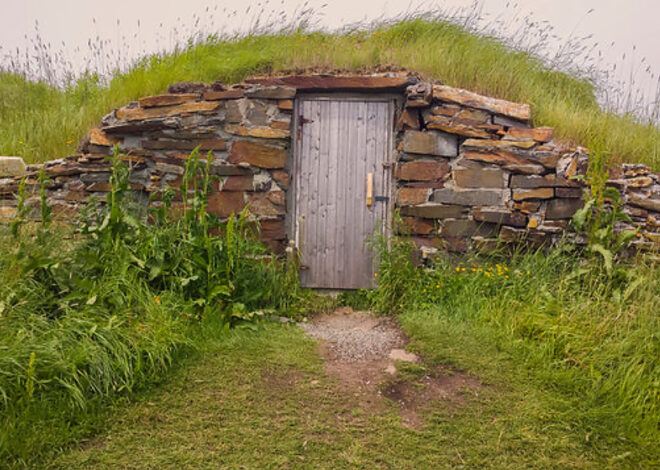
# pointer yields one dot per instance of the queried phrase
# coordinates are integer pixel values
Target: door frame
(395, 101)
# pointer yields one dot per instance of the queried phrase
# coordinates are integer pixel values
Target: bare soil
(360, 352)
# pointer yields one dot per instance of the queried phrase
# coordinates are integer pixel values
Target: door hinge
(381, 199)
(304, 120)
(388, 165)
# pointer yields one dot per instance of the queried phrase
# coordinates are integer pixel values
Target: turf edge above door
(343, 152)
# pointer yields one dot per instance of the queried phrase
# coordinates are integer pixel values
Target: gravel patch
(355, 336)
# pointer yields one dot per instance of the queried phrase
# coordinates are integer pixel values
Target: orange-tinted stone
(422, 170)
(225, 203)
(256, 154)
(412, 196)
(167, 100)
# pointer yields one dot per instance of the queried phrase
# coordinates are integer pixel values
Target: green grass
(567, 353)
(590, 334)
(260, 399)
(40, 122)
(92, 315)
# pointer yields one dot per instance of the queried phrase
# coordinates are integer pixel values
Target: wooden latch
(370, 189)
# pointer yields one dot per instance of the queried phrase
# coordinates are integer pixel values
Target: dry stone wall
(470, 170)
(246, 131)
(473, 172)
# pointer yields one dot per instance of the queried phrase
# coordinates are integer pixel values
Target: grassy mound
(40, 122)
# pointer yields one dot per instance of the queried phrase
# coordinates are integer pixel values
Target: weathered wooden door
(342, 187)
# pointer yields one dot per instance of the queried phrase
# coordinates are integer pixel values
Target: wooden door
(343, 144)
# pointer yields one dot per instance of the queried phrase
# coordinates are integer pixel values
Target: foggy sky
(624, 22)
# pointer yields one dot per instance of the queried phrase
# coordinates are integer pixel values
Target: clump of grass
(42, 121)
(90, 315)
(584, 330)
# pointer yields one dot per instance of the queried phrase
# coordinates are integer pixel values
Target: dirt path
(367, 355)
(264, 399)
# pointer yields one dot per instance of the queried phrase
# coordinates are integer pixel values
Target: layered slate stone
(214, 95)
(167, 100)
(172, 144)
(538, 134)
(479, 177)
(419, 95)
(518, 111)
(500, 216)
(571, 193)
(466, 228)
(262, 132)
(238, 183)
(271, 92)
(11, 167)
(645, 203)
(408, 120)
(258, 155)
(140, 114)
(101, 139)
(452, 126)
(562, 208)
(469, 197)
(430, 210)
(538, 193)
(273, 229)
(422, 170)
(514, 156)
(546, 181)
(430, 143)
(412, 196)
(225, 203)
(264, 204)
(417, 226)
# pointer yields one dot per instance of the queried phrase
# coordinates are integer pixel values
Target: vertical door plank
(311, 221)
(302, 188)
(361, 217)
(372, 137)
(318, 175)
(325, 154)
(333, 178)
(344, 193)
(355, 217)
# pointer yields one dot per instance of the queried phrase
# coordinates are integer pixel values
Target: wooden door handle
(370, 189)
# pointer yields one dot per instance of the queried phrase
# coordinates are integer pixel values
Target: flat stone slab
(470, 197)
(430, 143)
(11, 166)
(334, 82)
(403, 355)
(518, 111)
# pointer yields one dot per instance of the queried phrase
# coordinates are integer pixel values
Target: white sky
(627, 23)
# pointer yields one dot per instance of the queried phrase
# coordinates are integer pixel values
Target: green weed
(586, 332)
(91, 315)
